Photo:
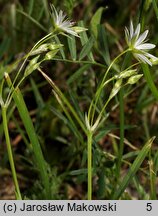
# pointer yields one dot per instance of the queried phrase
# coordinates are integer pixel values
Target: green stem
(10, 155)
(80, 61)
(89, 141)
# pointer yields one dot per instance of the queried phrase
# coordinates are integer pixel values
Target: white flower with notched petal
(137, 44)
(63, 24)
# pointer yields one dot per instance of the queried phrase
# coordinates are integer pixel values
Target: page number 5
(149, 206)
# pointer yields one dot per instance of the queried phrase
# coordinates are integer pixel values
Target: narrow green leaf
(95, 21)
(84, 39)
(87, 48)
(83, 35)
(133, 169)
(150, 80)
(61, 48)
(72, 46)
(103, 43)
(155, 8)
(31, 5)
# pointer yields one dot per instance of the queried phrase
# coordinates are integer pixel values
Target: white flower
(61, 22)
(137, 44)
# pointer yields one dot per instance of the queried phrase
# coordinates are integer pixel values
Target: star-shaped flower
(137, 44)
(63, 24)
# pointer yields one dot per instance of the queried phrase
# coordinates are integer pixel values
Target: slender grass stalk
(10, 155)
(89, 157)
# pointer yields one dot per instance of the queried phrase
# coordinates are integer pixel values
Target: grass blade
(72, 46)
(95, 21)
(87, 48)
(149, 80)
(103, 44)
(84, 39)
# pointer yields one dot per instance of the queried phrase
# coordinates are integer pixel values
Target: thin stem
(10, 155)
(105, 105)
(89, 157)
(79, 62)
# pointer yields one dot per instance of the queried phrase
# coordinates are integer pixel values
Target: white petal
(127, 35)
(55, 14)
(142, 58)
(131, 30)
(150, 56)
(145, 46)
(137, 31)
(141, 38)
